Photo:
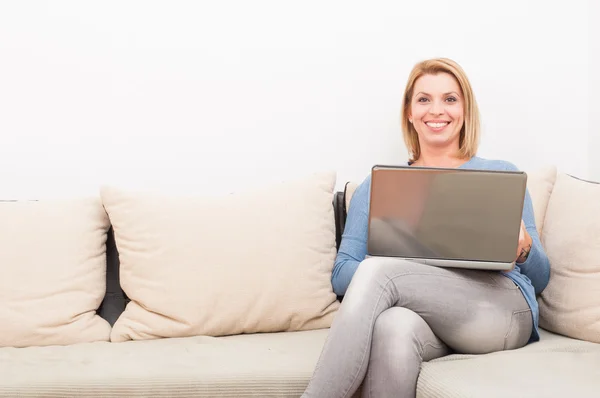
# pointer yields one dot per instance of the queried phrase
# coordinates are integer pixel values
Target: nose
(436, 108)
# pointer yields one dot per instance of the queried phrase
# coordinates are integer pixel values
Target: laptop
(459, 218)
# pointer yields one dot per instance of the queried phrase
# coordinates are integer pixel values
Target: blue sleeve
(353, 248)
(537, 265)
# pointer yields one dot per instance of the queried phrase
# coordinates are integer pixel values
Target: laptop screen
(450, 214)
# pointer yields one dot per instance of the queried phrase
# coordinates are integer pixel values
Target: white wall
(218, 94)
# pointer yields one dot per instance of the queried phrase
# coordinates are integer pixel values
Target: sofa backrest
(541, 186)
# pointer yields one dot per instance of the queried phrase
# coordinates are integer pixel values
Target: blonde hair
(470, 131)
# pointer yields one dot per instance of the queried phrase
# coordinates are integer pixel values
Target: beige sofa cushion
(349, 190)
(256, 365)
(554, 367)
(570, 305)
(251, 262)
(53, 270)
(540, 183)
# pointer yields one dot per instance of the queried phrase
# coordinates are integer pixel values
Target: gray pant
(397, 314)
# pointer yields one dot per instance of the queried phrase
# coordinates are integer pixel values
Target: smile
(437, 125)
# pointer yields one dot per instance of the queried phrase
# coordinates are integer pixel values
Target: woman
(396, 313)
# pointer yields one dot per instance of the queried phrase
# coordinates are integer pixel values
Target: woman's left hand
(525, 242)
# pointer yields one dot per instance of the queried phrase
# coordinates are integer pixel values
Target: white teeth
(437, 125)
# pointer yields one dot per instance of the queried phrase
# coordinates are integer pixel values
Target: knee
(397, 327)
(378, 271)
(370, 266)
(371, 273)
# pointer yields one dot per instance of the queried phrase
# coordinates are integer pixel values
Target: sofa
(137, 294)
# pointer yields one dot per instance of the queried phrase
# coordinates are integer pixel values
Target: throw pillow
(540, 183)
(53, 270)
(570, 304)
(349, 190)
(250, 262)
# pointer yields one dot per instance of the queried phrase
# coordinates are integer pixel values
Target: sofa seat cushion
(264, 365)
(556, 366)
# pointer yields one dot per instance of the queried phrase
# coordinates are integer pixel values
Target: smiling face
(437, 111)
